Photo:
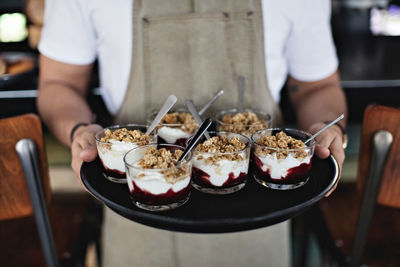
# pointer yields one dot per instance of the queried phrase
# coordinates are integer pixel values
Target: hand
(329, 142)
(83, 147)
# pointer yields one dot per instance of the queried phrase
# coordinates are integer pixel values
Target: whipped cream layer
(155, 183)
(112, 156)
(278, 168)
(171, 135)
(219, 172)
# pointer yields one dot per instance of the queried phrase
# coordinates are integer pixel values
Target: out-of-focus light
(385, 21)
(13, 27)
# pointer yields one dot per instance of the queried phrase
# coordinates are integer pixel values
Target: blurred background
(366, 34)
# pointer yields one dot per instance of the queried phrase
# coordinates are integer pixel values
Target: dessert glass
(112, 152)
(174, 132)
(244, 123)
(157, 189)
(281, 160)
(221, 173)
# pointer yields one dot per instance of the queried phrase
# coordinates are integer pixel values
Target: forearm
(321, 101)
(62, 96)
(316, 103)
(61, 108)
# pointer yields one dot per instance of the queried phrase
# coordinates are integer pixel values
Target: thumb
(322, 152)
(89, 153)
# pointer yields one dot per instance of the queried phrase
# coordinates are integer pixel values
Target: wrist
(75, 128)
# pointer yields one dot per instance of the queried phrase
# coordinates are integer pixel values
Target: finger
(89, 153)
(321, 151)
(338, 153)
(80, 146)
(76, 166)
(324, 142)
(85, 139)
(76, 160)
(76, 163)
(333, 187)
(326, 138)
(87, 144)
(331, 191)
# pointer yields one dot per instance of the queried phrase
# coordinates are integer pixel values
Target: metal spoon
(169, 102)
(212, 100)
(241, 93)
(196, 116)
(323, 129)
(203, 127)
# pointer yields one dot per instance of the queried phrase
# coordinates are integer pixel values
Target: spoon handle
(212, 100)
(203, 127)
(169, 102)
(323, 129)
(196, 116)
(241, 94)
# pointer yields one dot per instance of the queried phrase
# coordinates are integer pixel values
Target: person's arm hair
(318, 101)
(62, 96)
(316, 104)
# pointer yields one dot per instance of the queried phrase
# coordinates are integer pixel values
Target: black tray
(252, 207)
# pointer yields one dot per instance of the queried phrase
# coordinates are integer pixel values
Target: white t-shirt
(298, 41)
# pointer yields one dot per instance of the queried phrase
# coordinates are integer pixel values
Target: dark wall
(11, 5)
(369, 65)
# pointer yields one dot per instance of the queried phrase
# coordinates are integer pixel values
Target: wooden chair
(36, 227)
(360, 222)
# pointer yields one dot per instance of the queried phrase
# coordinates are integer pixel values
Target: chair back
(15, 200)
(379, 170)
(378, 118)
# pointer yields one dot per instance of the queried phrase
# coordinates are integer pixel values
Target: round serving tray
(252, 207)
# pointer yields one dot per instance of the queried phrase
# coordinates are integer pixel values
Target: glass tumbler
(158, 189)
(246, 122)
(174, 132)
(112, 149)
(221, 172)
(281, 160)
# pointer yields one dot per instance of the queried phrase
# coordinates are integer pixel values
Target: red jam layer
(113, 173)
(145, 197)
(203, 179)
(179, 142)
(294, 175)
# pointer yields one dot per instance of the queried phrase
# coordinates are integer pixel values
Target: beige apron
(193, 48)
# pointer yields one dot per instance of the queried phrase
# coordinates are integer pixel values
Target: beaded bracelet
(71, 136)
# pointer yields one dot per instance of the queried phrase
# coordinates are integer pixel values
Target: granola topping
(218, 145)
(245, 123)
(185, 120)
(164, 159)
(281, 143)
(127, 136)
